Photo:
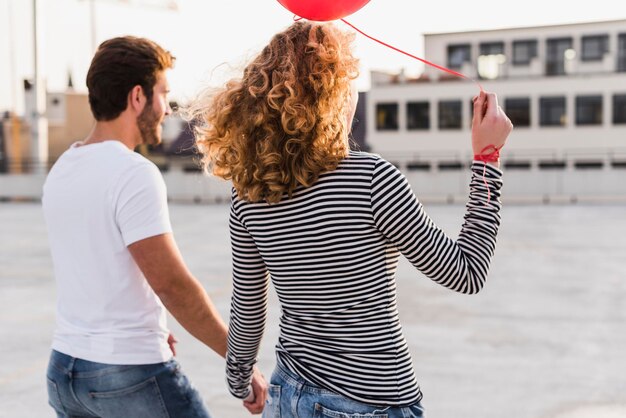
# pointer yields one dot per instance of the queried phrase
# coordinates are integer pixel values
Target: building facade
(564, 88)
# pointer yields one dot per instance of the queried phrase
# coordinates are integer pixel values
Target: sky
(213, 39)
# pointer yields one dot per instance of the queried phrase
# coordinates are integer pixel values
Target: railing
(22, 167)
(530, 176)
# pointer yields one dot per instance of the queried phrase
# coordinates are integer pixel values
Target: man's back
(116, 262)
(98, 199)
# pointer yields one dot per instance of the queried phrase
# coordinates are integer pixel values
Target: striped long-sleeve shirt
(331, 252)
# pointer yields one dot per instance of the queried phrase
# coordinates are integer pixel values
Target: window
(619, 109)
(492, 48)
(418, 166)
(552, 111)
(490, 60)
(621, 52)
(518, 110)
(387, 117)
(589, 110)
(589, 165)
(459, 54)
(594, 47)
(450, 165)
(418, 115)
(559, 51)
(471, 113)
(517, 165)
(552, 165)
(450, 114)
(524, 51)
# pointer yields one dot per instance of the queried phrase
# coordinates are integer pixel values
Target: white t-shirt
(97, 200)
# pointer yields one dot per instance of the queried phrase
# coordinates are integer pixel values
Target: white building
(564, 88)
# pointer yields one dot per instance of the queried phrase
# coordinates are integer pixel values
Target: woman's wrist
(489, 155)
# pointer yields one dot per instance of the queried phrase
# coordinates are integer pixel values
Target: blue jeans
(290, 396)
(81, 388)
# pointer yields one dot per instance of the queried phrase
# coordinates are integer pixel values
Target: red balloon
(323, 10)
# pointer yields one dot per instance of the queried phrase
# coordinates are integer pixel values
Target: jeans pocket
(142, 400)
(323, 412)
(272, 405)
(417, 410)
(53, 396)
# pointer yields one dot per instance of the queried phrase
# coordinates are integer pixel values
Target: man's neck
(115, 130)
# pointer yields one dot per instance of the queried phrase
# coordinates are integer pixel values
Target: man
(116, 263)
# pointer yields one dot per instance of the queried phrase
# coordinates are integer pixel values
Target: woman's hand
(490, 126)
(258, 393)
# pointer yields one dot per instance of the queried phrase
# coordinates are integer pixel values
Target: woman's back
(331, 251)
(328, 226)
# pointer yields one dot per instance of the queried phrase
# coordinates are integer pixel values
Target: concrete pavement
(545, 339)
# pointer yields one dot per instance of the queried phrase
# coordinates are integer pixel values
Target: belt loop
(70, 367)
(296, 398)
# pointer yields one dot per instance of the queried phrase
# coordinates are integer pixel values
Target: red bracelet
(489, 154)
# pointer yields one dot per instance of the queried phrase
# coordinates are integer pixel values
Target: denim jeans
(81, 388)
(290, 396)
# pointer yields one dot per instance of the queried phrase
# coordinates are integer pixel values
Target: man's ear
(137, 99)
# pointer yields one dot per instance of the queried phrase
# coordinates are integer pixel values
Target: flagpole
(39, 122)
(92, 18)
(12, 60)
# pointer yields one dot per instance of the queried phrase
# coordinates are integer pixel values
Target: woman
(327, 225)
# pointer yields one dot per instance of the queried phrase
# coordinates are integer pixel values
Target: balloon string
(489, 154)
(432, 64)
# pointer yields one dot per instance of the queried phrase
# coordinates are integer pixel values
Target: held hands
(258, 393)
(490, 126)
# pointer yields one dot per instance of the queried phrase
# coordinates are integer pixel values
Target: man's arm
(162, 264)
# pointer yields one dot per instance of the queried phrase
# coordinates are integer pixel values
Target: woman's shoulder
(362, 158)
(353, 162)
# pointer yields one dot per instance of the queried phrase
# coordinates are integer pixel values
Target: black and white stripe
(332, 251)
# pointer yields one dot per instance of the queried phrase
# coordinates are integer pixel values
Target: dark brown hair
(119, 65)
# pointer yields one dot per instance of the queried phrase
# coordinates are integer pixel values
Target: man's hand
(259, 389)
(171, 340)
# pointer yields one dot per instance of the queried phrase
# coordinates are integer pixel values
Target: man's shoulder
(138, 161)
(120, 168)
(131, 161)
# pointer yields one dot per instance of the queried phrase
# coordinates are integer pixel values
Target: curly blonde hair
(284, 122)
